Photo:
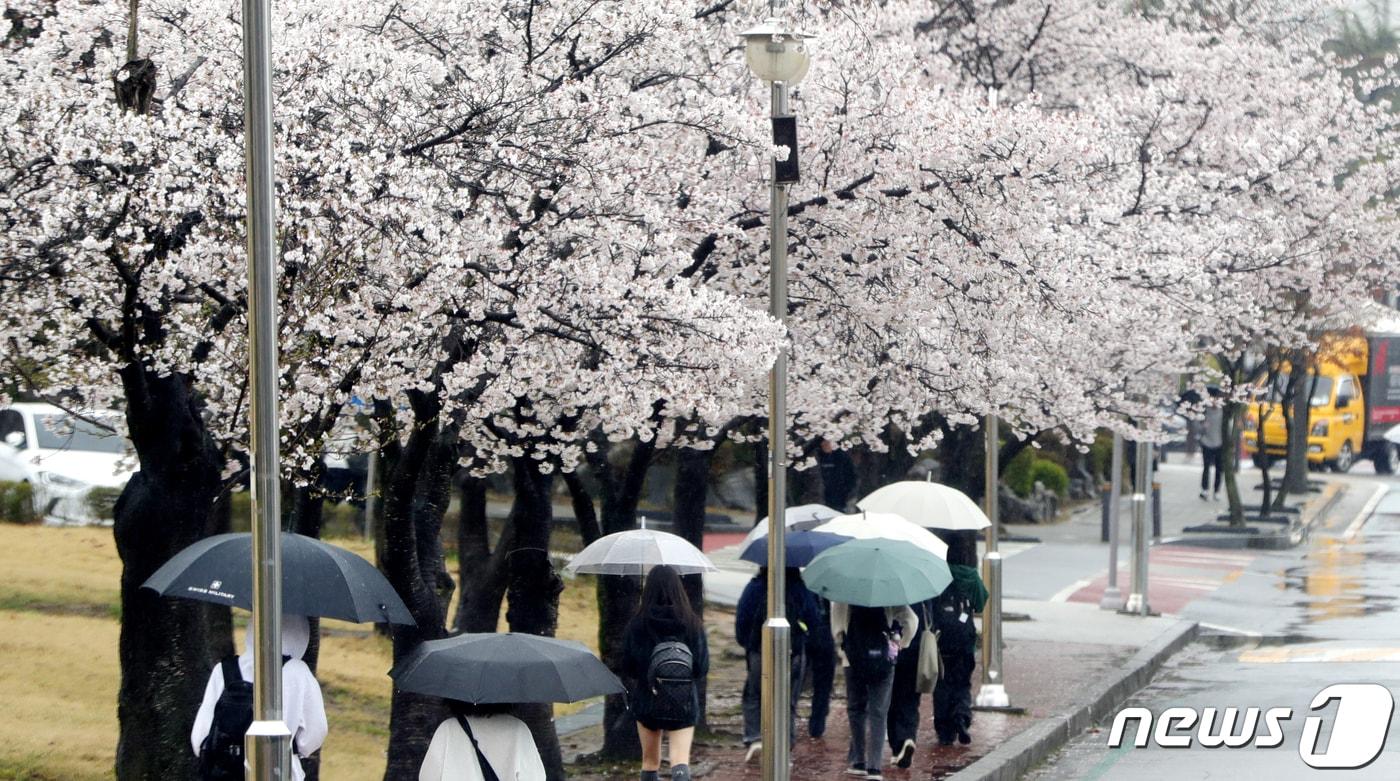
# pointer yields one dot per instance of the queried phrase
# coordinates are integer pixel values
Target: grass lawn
(59, 608)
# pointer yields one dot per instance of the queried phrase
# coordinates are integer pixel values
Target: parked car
(63, 459)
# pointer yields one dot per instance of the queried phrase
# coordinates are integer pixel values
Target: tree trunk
(166, 647)
(480, 569)
(416, 488)
(961, 457)
(533, 593)
(585, 514)
(760, 481)
(692, 486)
(1230, 448)
(1299, 406)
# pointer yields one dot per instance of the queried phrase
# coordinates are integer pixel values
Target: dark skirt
(642, 711)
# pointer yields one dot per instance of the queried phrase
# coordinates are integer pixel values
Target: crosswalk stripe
(1319, 655)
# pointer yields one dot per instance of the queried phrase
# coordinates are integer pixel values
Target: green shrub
(1051, 475)
(1018, 474)
(102, 502)
(17, 503)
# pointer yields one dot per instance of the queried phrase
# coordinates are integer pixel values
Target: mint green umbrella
(877, 572)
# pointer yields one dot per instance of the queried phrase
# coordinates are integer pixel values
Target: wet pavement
(1064, 670)
(1309, 604)
(1293, 623)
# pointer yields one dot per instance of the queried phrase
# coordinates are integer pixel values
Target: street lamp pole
(777, 54)
(993, 691)
(267, 746)
(1142, 533)
(1112, 596)
(777, 635)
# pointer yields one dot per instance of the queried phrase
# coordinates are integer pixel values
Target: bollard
(1112, 596)
(1157, 511)
(992, 694)
(1105, 510)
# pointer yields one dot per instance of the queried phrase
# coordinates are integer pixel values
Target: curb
(1287, 537)
(1312, 510)
(1024, 751)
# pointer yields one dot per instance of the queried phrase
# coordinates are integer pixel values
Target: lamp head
(776, 52)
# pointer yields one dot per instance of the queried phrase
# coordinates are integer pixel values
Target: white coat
(302, 707)
(504, 739)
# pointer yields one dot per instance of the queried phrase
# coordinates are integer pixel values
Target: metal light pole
(993, 691)
(268, 743)
(777, 54)
(1112, 597)
(777, 634)
(1142, 534)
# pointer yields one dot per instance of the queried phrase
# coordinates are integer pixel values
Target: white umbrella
(887, 526)
(799, 518)
(636, 551)
(931, 505)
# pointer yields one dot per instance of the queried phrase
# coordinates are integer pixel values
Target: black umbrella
(318, 579)
(505, 668)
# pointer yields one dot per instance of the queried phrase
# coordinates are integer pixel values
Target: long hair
(663, 592)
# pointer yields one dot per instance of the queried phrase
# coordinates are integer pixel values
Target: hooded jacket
(303, 710)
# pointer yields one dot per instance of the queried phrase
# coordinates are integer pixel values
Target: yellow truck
(1354, 402)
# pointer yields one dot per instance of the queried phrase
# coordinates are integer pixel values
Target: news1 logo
(1356, 739)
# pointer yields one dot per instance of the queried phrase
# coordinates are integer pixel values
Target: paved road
(1298, 621)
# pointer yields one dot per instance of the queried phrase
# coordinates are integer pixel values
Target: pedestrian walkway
(1049, 661)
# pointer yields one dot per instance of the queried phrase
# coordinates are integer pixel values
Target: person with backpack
(481, 743)
(227, 709)
(957, 640)
(905, 697)
(751, 615)
(664, 654)
(869, 639)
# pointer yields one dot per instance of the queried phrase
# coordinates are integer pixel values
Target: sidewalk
(1051, 662)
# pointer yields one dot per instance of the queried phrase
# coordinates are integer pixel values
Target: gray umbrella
(318, 579)
(504, 668)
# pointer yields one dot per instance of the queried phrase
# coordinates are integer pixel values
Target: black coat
(641, 637)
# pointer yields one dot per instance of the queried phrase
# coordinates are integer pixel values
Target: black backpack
(221, 753)
(671, 678)
(867, 643)
(954, 635)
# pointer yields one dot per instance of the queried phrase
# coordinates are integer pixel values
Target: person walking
(905, 697)
(1212, 449)
(957, 641)
(751, 615)
(821, 663)
(480, 742)
(664, 653)
(870, 639)
(838, 475)
(227, 709)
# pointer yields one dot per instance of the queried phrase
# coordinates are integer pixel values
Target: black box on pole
(785, 134)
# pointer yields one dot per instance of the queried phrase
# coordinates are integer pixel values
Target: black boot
(680, 773)
(651, 775)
